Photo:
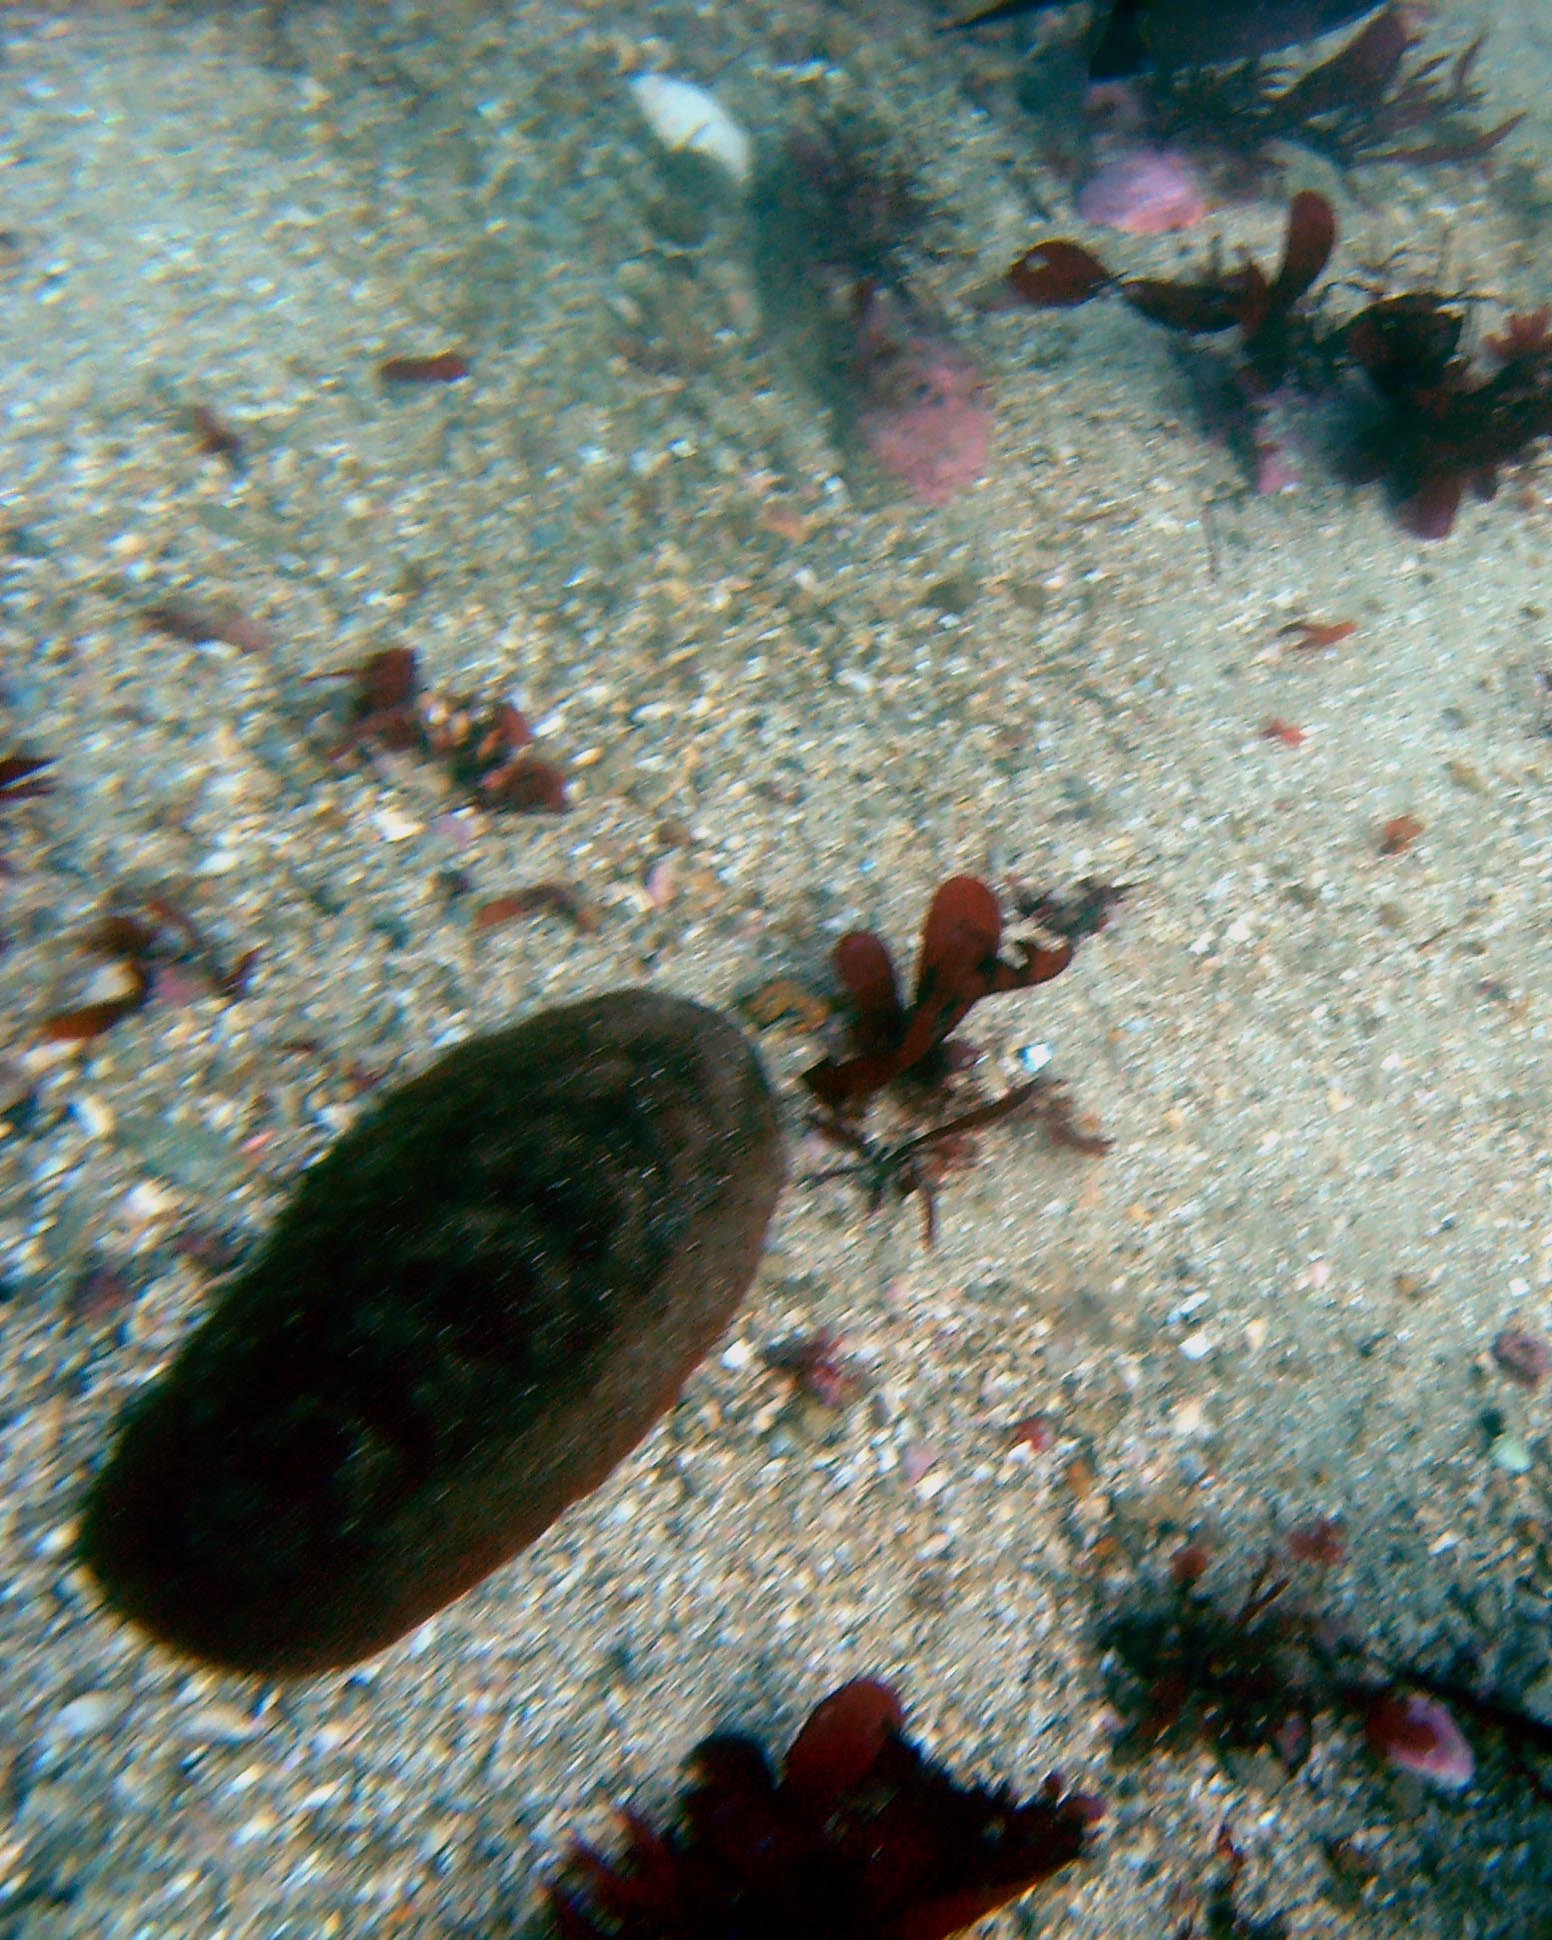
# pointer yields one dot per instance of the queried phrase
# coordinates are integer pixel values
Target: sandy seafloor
(1324, 1070)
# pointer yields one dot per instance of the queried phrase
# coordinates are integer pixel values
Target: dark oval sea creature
(474, 1306)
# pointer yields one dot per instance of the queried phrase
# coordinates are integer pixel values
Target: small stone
(219, 1723)
(916, 1460)
(83, 1717)
(1523, 1357)
(1511, 1454)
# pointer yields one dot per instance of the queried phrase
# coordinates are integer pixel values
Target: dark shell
(472, 1308)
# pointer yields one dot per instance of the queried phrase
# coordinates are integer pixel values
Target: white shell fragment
(682, 115)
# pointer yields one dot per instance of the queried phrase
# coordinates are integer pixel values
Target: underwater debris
(861, 1838)
(1522, 1357)
(783, 1000)
(150, 948)
(472, 1308)
(817, 1366)
(687, 119)
(385, 700)
(24, 778)
(489, 752)
(1082, 911)
(181, 620)
(537, 899)
(957, 965)
(1399, 833)
(217, 439)
(444, 367)
(1310, 636)
(1215, 1898)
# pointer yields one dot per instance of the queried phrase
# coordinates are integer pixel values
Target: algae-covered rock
(472, 1308)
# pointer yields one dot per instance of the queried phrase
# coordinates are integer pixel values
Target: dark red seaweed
(957, 965)
(862, 1838)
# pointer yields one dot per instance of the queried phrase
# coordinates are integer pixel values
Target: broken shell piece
(683, 116)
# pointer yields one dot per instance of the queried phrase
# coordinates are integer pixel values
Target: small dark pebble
(1522, 1357)
(472, 1308)
(447, 367)
(102, 1290)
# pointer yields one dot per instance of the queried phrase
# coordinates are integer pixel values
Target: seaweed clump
(1244, 1676)
(1442, 426)
(836, 221)
(860, 1838)
(1371, 102)
(488, 751)
(1278, 346)
(958, 964)
(911, 1045)
(1254, 1674)
(1413, 411)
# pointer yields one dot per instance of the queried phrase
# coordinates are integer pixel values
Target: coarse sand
(790, 701)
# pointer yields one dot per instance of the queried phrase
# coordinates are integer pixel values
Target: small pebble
(1417, 1734)
(83, 1717)
(219, 1723)
(662, 883)
(1522, 1357)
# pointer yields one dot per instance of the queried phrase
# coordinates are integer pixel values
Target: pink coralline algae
(926, 421)
(1144, 192)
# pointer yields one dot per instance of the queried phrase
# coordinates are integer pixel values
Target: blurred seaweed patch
(861, 1837)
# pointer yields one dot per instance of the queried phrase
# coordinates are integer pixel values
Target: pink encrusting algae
(927, 421)
(1144, 192)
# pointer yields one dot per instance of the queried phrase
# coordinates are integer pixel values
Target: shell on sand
(682, 115)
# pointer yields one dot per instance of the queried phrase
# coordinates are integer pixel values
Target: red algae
(861, 1838)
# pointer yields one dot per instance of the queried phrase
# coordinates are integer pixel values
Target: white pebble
(682, 115)
(82, 1716)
